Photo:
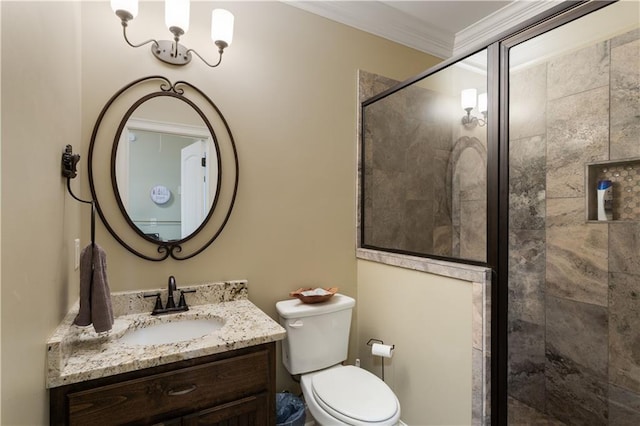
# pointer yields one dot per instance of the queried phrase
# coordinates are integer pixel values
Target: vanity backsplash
(134, 302)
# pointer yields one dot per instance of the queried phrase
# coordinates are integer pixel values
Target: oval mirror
(163, 169)
(166, 172)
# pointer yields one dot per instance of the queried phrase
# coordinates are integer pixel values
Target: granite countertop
(76, 354)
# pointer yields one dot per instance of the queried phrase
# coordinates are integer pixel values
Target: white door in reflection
(194, 172)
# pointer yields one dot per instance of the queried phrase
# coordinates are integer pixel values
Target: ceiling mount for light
(177, 21)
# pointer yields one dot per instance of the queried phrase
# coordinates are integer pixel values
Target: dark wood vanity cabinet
(236, 387)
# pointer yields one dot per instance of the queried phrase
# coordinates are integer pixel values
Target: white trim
(383, 21)
(169, 128)
(475, 35)
(387, 22)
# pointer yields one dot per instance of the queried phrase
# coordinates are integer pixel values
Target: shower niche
(625, 177)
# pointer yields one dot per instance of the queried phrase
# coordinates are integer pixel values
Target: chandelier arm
(124, 34)
(204, 60)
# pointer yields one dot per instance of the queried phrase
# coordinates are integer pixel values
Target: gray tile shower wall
(576, 362)
(527, 249)
(574, 286)
(625, 92)
(406, 210)
(576, 267)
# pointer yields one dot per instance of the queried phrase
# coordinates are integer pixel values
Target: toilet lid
(352, 393)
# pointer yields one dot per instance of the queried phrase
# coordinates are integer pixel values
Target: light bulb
(176, 14)
(222, 26)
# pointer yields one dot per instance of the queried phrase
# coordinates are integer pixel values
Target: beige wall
(428, 319)
(287, 87)
(0, 219)
(40, 115)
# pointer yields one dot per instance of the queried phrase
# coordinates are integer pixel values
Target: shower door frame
(497, 231)
(498, 177)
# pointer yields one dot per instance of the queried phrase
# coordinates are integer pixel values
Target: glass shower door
(573, 280)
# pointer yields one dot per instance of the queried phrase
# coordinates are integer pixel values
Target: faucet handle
(182, 303)
(158, 306)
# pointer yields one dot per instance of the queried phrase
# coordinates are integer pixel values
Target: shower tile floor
(521, 414)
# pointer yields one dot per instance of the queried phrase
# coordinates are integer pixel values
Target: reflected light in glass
(482, 102)
(468, 98)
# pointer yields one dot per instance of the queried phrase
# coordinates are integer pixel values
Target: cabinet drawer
(177, 392)
(250, 411)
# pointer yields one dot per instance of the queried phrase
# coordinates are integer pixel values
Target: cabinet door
(170, 394)
(250, 411)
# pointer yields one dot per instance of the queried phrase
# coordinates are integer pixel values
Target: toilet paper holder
(371, 342)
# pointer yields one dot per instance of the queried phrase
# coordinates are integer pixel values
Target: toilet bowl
(348, 395)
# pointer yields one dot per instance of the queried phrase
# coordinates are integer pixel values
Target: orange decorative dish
(314, 295)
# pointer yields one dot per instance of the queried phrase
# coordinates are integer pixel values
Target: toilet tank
(317, 334)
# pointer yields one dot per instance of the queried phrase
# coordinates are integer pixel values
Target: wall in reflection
(155, 160)
(424, 173)
(407, 152)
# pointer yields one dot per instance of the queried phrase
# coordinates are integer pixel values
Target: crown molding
(384, 21)
(476, 35)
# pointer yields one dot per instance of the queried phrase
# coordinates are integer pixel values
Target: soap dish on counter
(314, 295)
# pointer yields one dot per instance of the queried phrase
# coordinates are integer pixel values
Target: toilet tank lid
(294, 308)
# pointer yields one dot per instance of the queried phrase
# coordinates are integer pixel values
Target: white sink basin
(172, 332)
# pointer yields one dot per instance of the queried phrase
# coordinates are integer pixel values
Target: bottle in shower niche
(605, 200)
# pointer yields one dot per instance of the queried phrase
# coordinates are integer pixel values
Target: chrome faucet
(171, 304)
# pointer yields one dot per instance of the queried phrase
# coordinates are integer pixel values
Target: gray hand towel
(95, 295)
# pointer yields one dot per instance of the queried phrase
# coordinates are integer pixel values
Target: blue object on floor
(289, 410)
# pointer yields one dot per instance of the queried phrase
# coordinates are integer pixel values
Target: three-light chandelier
(177, 21)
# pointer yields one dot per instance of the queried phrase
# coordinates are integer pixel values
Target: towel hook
(69, 170)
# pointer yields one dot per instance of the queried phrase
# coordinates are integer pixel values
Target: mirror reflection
(166, 171)
(424, 168)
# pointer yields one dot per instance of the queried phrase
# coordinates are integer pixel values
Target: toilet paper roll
(378, 349)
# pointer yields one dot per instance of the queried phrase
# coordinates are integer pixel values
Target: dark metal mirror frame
(165, 249)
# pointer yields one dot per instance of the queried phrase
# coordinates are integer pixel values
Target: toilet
(316, 344)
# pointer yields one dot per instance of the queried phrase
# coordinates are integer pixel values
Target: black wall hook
(69, 162)
(69, 170)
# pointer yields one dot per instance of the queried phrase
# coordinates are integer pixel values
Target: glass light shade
(468, 98)
(130, 6)
(176, 14)
(222, 26)
(482, 102)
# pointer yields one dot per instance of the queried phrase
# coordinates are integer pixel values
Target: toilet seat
(355, 396)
